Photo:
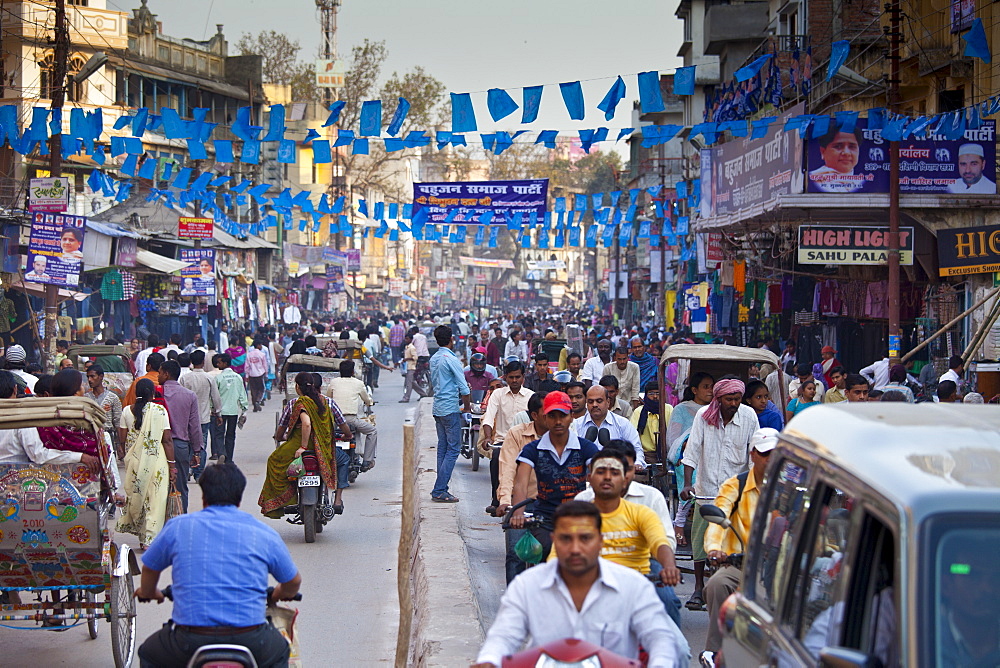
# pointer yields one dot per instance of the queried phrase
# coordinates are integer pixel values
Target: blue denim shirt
(207, 595)
(448, 380)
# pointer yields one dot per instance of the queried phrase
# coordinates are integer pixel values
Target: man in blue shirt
(448, 381)
(218, 605)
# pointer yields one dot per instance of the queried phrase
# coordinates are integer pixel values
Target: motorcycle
(351, 447)
(568, 652)
(313, 509)
(221, 655)
(470, 429)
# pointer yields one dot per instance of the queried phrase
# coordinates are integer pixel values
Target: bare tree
(281, 64)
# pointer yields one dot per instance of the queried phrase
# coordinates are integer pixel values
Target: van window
(813, 614)
(784, 502)
(870, 610)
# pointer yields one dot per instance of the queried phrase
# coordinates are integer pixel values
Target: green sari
(277, 492)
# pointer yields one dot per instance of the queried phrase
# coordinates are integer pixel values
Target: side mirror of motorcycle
(714, 514)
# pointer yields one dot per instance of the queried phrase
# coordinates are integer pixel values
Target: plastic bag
(528, 549)
(175, 504)
(295, 468)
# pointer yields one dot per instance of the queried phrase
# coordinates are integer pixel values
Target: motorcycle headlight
(546, 661)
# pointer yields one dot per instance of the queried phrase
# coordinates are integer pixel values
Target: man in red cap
(559, 460)
(830, 361)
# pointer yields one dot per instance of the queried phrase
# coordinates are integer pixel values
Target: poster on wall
(466, 201)
(858, 162)
(55, 249)
(334, 278)
(198, 278)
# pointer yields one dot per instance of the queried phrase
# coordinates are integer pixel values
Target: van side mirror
(842, 657)
(714, 514)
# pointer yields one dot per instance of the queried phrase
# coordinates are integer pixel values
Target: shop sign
(353, 259)
(330, 73)
(746, 172)
(49, 194)
(396, 287)
(858, 162)
(127, 251)
(198, 278)
(195, 228)
(464, 202)
(55, 249)
(968, 250)
(840, 244)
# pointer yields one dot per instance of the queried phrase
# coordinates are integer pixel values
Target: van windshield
(967, 595)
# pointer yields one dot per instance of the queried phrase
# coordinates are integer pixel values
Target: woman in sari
(697, 395)
(310, 427)
(149, 465)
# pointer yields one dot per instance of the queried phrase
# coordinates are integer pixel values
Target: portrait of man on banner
(972, 181)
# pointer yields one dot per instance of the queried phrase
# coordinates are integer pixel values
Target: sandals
(696, 602)
(338, 509)
(445, 498)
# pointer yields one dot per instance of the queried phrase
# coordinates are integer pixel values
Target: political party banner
(198, 278)
(843, 244)
(353, 259)
(334, 278)
(486, 262)
(195, 228)
(968, 250)
(746, 172)
(48, 194)
(471, 202)
(334, 256)
(55, 249)
(858, 162)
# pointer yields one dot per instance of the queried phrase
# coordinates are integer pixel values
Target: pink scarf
(721, 389)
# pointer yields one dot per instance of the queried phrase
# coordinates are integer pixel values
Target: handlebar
(168, 593)
(529, 520)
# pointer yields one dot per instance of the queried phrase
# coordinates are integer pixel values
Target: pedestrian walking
(234, 404)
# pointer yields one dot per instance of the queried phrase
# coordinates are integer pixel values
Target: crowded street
(370, 332)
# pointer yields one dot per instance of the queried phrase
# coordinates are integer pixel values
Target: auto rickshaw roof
(717, 351)
(316, 360)
(97, 350)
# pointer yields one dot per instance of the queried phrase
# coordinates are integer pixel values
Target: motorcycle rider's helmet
(478, 362)
(563, 377)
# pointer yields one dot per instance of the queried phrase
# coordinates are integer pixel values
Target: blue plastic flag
(590, 137)
(321, 151)
(223, 151)
(201, 182)
(370, 124)
(334, 116)
(976, 45)
(547, 138)
(494, 233)
(590, 238)
(614, 95)
(574, 236)
(128, 167)
(596, 200)
(251, 151)
(486, 217)
(275, 123)
(310, 135)
(572, 94)
(752, 69)
(684, 80)
(624, 132)
(196, 149)
(838, 56)
(650, 97)
(360, 147)
(500, 103)
(480, 235)
(181, 180)
(148, 168)
(531, 100)
(543, 238)
(463, 116)
(398, 117)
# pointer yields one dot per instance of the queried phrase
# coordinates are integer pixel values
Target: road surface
(349, 615)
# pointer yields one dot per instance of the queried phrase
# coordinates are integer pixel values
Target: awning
(111, 229)
(159, 262)
(38, 290)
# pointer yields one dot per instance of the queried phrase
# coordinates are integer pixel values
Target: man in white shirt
(718, 449)
(16, 358)
(580, 595)
(877, 374)
(504, 405)
(420, 343)
(971, 161)
(954, 373)
(804, 374)
(598, 415)
(175, 345)
(347, 391)
(593, 369)
(152, 343)
(627, 373)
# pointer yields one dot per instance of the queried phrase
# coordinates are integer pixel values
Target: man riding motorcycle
(210, 609)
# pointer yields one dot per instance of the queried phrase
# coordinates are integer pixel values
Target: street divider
(439, 620)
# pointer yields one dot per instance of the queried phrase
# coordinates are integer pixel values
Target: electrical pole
(894, 40)
(58, 92)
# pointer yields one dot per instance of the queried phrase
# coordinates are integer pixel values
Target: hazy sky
(472, 45)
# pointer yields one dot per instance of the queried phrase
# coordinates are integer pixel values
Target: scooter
(568, 652)
(470, 429)
(313, 509)
(221, 655)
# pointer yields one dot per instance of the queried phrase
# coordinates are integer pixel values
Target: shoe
(696, 603)
(404, 401)
(707, 659)
(338, 509)
(445, 498)
(213, 458)
(367, 466)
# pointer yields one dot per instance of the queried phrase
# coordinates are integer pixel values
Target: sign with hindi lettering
(746, 172)
(198, 278)
(55, 249)
(858, 162)
(466, 202)
(48, 194)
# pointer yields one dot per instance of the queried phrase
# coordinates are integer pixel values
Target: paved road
(485, 551)
(350, 612)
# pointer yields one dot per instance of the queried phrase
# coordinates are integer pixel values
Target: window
(189, 60)
(163, 53)
(45, 86)
(783, 504)
(75, 92)
(951, 100)
(202, 64)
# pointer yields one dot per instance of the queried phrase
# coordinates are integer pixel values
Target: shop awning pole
(949, 325)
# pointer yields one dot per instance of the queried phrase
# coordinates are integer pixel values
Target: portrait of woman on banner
(839, 152)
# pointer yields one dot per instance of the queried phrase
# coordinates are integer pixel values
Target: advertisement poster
(353, 259)
(858, 162)
(470, 199)
(55, 249)
(843, 244)
(198, 279)
(746, 172)
(334, 278)
(49, 194)
(194, 228)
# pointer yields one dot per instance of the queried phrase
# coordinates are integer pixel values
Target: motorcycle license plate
(345, 445)
(309, 481)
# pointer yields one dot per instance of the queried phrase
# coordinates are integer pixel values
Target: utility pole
(894, 42)
(58, 92)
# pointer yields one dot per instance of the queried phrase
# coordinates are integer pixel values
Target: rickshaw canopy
(718, 352)
(52, 412)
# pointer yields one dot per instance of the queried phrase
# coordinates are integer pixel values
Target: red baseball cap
(557, 401)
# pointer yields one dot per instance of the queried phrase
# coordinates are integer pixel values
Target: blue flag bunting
(398, 117)
(752, 69)
(976, 45)
(572, 94)
(500, 103)
(684, 80)
(370, 124)
(614, 95)
(463, 116)
(838, 56)
(650, 97)
(531, 100)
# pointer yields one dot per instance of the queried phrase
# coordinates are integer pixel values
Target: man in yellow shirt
(738, 500)
(836, 393)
